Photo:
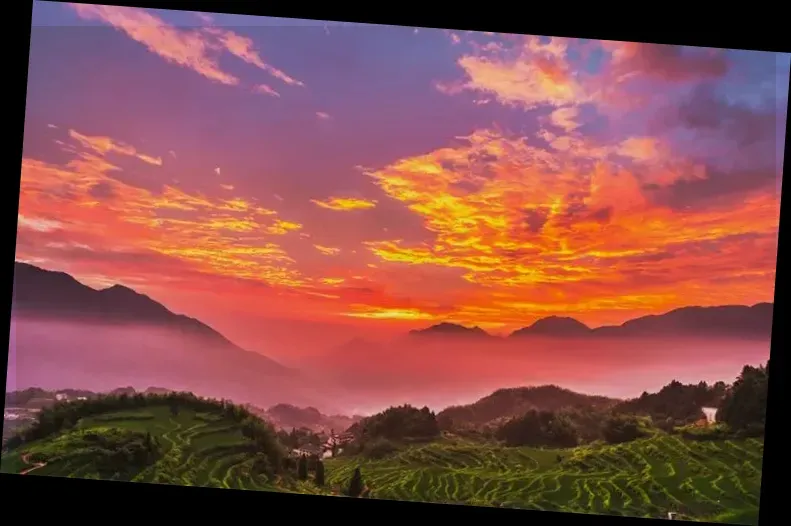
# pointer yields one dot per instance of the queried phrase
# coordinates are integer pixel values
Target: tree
(539, 428)
(744, 407)
(401, 423)
(319, 473)
(355, 484)
(302, 468)
(621, 428)
(174, 409)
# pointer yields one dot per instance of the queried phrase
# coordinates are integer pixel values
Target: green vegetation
(539, 428)
(401, 423)
(647, 477)
(744, 406)
(643, 457)
(675, 404)
(143, 438)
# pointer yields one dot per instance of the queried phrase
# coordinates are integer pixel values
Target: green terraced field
(199, 450)
(717, 481)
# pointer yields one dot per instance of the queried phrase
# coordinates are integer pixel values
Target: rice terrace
(182, 439)
(642, 478)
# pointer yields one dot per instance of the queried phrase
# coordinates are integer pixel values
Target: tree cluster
(744, 407)
(620, 428)
(402, 423)
(676, 404)
(539, 429)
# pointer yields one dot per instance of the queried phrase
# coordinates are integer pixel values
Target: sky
(271, 175)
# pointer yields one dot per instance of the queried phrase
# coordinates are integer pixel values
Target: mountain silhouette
(554, 325)
(45, 293)
(725, 320)
(451, 329)
(64, 332)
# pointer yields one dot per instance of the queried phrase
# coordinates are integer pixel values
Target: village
(331, 445)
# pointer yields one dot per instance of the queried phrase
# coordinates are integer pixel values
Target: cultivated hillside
(718, 481)
(176, 438)
(508, 403)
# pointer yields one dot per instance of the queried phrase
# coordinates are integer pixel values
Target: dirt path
(37, 465)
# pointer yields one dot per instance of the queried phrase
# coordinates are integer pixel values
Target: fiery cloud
(367, 311)
(201, 234)
(328, 251)
(513, 219)
(610, 179)
(105, 145)
(344, 204)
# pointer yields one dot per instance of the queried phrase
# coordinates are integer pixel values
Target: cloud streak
(196, 49)
(344, 204)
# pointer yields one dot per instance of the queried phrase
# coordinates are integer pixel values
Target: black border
(729, 28)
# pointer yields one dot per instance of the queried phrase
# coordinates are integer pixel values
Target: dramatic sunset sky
(258, 172)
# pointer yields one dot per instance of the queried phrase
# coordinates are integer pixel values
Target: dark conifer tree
(319, 473)
(302, 468)
(355, 484)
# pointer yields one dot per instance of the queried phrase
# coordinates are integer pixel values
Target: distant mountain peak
(121, 289)
(719, 320)
(554, 326)
(451, 329)
(52, 294)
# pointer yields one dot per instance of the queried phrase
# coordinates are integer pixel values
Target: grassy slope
(717, 481)
(714, 480)
(199, 450)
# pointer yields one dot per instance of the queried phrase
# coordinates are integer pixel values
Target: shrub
(379, 448)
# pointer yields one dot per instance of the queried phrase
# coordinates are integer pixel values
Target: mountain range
(48, 294)
(727, 321)
(65, 331)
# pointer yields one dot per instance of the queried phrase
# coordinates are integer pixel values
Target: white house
(306, 450)
(60, 397)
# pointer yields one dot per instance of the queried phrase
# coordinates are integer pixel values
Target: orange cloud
(283, 227)
(372, 312)
(527, 74)
(327, 251)
(344, 203)
(565, 118)
(105, 145)
(266, 89)
(514, 220)
(640, 148)
(244, 49)
(197, 50)
(200, 234)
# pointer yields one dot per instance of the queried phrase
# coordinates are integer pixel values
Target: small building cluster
(331, 445)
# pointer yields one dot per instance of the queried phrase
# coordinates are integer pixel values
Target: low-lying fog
(361, 377)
